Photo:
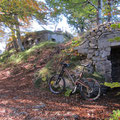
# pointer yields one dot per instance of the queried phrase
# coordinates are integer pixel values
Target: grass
(10, 57)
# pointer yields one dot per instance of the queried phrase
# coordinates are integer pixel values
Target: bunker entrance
(115, 60)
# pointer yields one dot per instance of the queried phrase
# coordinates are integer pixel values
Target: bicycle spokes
(93, 90)
(56, 84)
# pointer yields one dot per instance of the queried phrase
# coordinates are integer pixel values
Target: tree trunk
(99, 12)
(21, 47)
(82, 28)
(110, 11)
(13, 37)
(14, 40)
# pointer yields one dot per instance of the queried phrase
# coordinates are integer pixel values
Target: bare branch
(92, 4)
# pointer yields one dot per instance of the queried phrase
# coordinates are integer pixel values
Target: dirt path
(20, 100)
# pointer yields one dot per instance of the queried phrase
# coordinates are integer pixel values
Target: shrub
(114, 26)
(68, 92)
(115, 115)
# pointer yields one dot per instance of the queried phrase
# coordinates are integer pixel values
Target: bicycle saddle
(64, 64)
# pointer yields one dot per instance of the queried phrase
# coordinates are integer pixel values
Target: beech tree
(83, 13)
(16, 13)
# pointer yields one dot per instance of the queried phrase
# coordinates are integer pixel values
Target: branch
(92, 4)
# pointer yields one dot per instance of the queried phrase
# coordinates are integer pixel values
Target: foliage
(112, 85)
(111, 10)
(25, 9)
(68, 92)
(70, 52)
(17, 58)
(98, 76)
(41, 76)
(115, 26)
(84, 19)
(6, 55)
(76, 41)
(117, 39)
(16, 13)
(115, 115)
(46, 72)
(73, 10)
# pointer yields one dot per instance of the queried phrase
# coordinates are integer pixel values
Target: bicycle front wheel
(56, 84)
(93, 91)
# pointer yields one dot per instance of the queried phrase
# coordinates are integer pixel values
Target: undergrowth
(53, 66)
(115, 115)
(11, 57)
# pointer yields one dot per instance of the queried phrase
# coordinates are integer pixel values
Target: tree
(16, 13)
(81, 13)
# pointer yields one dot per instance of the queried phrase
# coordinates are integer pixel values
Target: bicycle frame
(78, 81)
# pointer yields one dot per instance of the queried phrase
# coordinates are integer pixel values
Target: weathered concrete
(34, 38)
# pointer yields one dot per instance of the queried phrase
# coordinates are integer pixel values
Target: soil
(20, 100)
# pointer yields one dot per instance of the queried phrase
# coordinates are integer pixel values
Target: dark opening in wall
(115, 60)
(38, 39)
(27, 42)
(23, 43)
(32, 41)
(54, 40)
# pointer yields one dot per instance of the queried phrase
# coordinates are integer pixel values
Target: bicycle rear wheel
(94, 90)
(56, 84)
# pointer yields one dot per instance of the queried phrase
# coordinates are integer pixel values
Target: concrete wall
(59, 38)
(40, 36)
(97, 47)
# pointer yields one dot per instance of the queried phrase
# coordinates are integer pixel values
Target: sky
(63, 25)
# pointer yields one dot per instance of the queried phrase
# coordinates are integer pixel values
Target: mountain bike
(89, 88)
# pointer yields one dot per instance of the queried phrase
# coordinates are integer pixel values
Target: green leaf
(68, 92)
(112, 85)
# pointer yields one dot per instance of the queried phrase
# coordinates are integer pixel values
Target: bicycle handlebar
(67, 65)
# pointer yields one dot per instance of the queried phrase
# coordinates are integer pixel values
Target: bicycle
(89, 88)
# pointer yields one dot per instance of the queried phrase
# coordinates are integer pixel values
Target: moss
(15, 58)
(68, 92)
(115, 26)
(115, 115)
(117, 39)
(112, 85)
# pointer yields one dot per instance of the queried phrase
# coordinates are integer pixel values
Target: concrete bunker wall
(98, 48)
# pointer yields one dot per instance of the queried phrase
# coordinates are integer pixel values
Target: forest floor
(20, 100)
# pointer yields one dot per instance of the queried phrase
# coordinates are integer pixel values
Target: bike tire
(56, 88)
(95, 91)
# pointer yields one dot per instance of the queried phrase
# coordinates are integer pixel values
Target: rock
(89, 56)
(93, 34)
(96, 53)
(38, 107)
(83, 48)
(37, 118)
(104, 54)
(23, 113)
(92, 45)
(76, 117)
(99, 33)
